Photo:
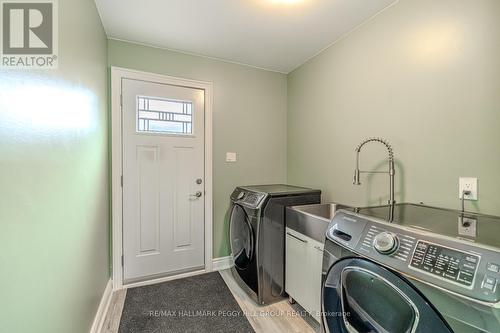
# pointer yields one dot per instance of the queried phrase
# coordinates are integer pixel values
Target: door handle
(198, 194)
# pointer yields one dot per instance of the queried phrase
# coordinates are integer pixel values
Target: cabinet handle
(297, 238)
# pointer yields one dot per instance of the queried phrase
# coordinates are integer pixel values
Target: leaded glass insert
(157, 115)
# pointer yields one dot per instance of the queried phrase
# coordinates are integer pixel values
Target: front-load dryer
(257, 236)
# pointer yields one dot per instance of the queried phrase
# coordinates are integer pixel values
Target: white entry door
(163, 179)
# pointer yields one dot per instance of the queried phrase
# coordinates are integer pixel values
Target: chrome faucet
(391, 171)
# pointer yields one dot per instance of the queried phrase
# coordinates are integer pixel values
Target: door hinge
(122, 261)
(121, 180)
(121, 100)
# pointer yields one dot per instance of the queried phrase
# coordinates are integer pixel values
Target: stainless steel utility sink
(323, 211)
(312, 220)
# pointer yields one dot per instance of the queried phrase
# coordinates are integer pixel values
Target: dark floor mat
(201, 303)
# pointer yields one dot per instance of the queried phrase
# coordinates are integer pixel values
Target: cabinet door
(316, 261)
(297, 273)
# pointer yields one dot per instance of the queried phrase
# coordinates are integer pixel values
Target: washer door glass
(362, 296)
(242, 239)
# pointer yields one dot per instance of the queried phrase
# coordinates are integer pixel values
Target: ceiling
(277, 35)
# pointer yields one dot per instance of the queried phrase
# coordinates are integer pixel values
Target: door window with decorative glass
(158, 115)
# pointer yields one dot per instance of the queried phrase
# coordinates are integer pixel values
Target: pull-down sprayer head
(356, 177)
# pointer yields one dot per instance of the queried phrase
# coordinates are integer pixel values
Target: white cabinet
(296, 274)
(304, 257)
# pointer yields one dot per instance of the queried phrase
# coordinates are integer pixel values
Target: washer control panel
(450, 264)
(402, 249)
(386, 243)
(465, 268)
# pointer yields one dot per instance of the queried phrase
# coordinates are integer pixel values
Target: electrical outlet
(467, 226)
(467, 184)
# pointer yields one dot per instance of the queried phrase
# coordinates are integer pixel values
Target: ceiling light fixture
(286, 2)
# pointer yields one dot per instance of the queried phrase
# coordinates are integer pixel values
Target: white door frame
(117, 75)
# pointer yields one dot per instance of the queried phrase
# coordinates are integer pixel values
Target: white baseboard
(100, 316)
(219, 264)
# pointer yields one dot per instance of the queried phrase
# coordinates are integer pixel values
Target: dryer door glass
(242, 239)
(362, 296)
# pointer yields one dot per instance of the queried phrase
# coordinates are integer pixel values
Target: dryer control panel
(247, 198)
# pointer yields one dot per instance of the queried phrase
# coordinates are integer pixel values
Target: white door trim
(117, 74)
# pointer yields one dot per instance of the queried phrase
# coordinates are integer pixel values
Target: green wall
(54, 207)
(425, 75)
(249, 118)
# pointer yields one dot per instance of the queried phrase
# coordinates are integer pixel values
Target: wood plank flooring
(112, 321)
(279, 317)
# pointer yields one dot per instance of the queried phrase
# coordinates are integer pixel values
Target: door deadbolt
(199, 181)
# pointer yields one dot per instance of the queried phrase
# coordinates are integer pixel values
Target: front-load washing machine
(431, 270)
(257, 236)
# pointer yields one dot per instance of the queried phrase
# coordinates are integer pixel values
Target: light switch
(230, 157)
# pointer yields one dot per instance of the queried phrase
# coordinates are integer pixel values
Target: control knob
(240, 195)
(386, 243)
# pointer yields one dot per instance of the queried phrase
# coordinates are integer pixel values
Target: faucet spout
(391, 171)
